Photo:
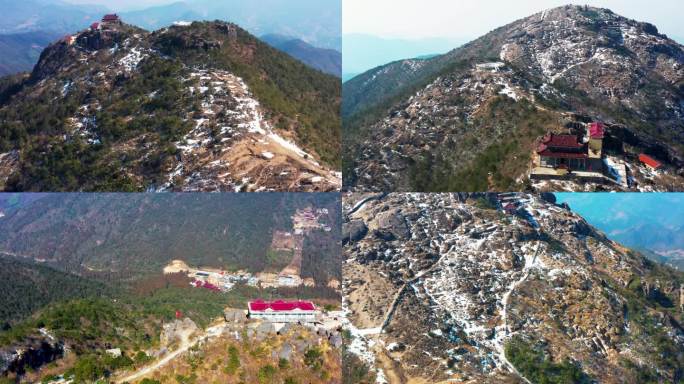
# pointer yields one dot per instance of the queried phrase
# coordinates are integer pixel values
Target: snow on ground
(132, 59)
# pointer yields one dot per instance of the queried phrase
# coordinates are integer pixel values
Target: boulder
(353, 231)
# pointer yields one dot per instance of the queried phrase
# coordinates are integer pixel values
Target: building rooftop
(596, 130)
(111, 17)
(648, 160)
(561, 141)
(281, 305)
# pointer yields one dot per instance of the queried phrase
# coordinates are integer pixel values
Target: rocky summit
(502, 288)
(470, 120)
(193, 107)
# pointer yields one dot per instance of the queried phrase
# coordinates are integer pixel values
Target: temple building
(573, 152)
(562, 151)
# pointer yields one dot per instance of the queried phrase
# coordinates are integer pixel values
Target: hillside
(445, 287)
(115, 236)
(325, 60)
(27, 287)
(471, 119)
(451, 287)
(200, 107)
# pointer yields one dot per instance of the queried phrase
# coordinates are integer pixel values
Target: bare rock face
(467, 280)
(178, 331)
(391, 225)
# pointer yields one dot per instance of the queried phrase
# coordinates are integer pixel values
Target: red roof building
(596, 130)
(110, 18)
(562, 151)
(95, 26)
(649, 161)
(283, 311)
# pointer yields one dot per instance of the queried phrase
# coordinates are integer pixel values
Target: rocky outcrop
(178, 331)
(31, 355)
(353, 231)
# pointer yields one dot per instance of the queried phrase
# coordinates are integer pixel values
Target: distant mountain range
(326, 60)
(363, 52)
(317, 22)
(20, 51)
(46, 15)
(649, 222)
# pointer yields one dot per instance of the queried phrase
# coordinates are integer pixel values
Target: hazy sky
(123, 5)
(628, 217)
(471, 19)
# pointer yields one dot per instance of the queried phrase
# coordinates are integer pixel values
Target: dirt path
(186, 344)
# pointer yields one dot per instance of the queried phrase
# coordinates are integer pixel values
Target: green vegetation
(192, 379)
(313, 358)
(36, 126)
(481, 160)
(483, 203)
(643, 311)
(277, 260)
(355, 371)
(201, 229)
(233, 361)
(135, 130)
(150, 381)
(27, 287)
(534, 365)
(267, 374)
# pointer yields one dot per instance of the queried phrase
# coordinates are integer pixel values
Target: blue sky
(651, 220)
